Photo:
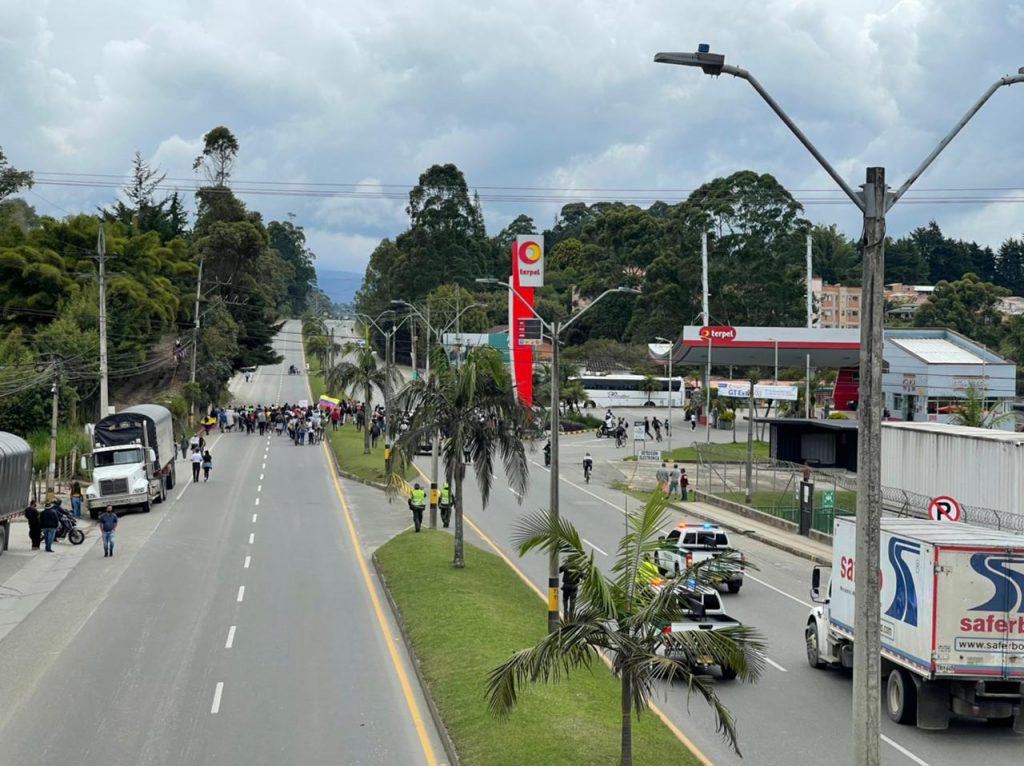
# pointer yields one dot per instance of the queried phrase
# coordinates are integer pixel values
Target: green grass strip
(465, 622)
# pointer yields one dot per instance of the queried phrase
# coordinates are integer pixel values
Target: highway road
(237, 624)
(795, 715)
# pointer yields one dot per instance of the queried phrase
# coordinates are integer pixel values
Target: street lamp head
(632, 290)
(710, 63)
(396, 302)
(487, 281)
(661, 340)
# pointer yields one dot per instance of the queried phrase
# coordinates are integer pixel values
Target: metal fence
(775, 485)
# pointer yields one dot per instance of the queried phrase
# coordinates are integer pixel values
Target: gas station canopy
(764, 346)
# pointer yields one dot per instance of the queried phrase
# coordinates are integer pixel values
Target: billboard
(761, 391)
(529, 260)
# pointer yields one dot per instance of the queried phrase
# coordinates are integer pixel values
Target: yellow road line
(687, 743)
(403, 677)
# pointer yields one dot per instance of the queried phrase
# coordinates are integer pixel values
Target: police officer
(446, 505)
(417, 502)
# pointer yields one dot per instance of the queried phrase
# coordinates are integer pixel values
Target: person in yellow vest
(647, 572)
(417, 502)
(445, 504)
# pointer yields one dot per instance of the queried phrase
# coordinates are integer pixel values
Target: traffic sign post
(944, 508)
(828, 500)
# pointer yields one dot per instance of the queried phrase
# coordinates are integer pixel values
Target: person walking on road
(657, 428)
(76, 499)
(49, 520)
(445, 503)
(693, 421)
(108, 523)
(661, 476)
(570, 587)
(207, 465)
(35, 534)
(417, 502)
(684, 485)
(673, 480)
(647, 427)
(197, 463)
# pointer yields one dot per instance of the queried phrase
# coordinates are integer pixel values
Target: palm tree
(359, 376)
(622, 616)
(471, 407)
(648, 385)
(973, 412)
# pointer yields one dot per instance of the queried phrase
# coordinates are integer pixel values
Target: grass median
(465, 622)
(347, 442)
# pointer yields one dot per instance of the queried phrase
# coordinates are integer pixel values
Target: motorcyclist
(588, 466)
(547, 454)
(445, 504)
(417, 502)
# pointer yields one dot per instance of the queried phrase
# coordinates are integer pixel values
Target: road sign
(828, 499)
(530, 332)
(945, 509)
(639, 432)
(650, 455)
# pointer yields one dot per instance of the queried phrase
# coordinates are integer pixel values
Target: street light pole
(873, 201)
(554, 328)
(668, 418)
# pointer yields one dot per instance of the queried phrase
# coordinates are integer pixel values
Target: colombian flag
(327, 401)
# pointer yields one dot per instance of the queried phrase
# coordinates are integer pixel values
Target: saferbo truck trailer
(952, 620)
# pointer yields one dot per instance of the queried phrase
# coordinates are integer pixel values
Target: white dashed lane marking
(241, 593)
(216, 698)
(231, 638)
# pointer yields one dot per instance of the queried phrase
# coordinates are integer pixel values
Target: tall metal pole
(556, 381)
(101, 256)
(412, 337)
(810, 322)
(195, 341)
(704, 276)
(867, 616)
(435, 438)
(671, 393)
(707, 394)
(51, 466)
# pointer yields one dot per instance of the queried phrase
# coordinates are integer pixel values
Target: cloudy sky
(535, 100)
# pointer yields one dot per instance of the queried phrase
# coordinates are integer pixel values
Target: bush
(838, 416)
(588, 421)
(68, 438)
(727, 417)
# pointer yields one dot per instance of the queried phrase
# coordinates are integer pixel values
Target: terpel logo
(530, 252)
(904, 601)
(1008, 583)
(718, 333)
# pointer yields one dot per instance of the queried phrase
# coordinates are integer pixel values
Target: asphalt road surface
(235, 625)
(794, 715)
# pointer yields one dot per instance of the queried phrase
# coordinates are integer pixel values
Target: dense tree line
(756, 240)
(253, 274)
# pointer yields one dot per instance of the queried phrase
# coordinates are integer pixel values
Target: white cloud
(517, 93)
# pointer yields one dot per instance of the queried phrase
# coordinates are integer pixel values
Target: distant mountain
(341, 286)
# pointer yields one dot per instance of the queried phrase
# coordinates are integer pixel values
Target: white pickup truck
(702, 610)
(689, 544)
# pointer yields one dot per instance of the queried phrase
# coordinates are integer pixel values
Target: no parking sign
(945, 509)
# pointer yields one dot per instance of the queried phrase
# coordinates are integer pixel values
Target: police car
(701, 610)
(690, 544)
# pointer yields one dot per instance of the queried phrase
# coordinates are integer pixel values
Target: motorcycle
(67, 526)
(605, 432)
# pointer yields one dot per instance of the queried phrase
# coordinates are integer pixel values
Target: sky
(538, 102)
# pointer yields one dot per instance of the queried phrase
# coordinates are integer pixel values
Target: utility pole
(51, 466)
(435, 439)
(707, 323)
(867, 617)
(195, 341)
(101, 256)
(750, 443)
(810, 321)
(412, 336)
(556, 384)
(874, 201)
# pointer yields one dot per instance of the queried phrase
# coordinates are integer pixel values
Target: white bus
(619, 390)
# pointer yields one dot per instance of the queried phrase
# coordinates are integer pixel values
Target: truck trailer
(952, 620)
(15, 482)
(980, 467)
(132, 461)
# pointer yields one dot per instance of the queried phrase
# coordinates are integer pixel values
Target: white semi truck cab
(952, 621)
(132, 462)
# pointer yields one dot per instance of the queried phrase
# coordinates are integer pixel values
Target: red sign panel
(718, 334)
(945, 509)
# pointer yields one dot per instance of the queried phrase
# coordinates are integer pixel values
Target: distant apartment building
(838, 306)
